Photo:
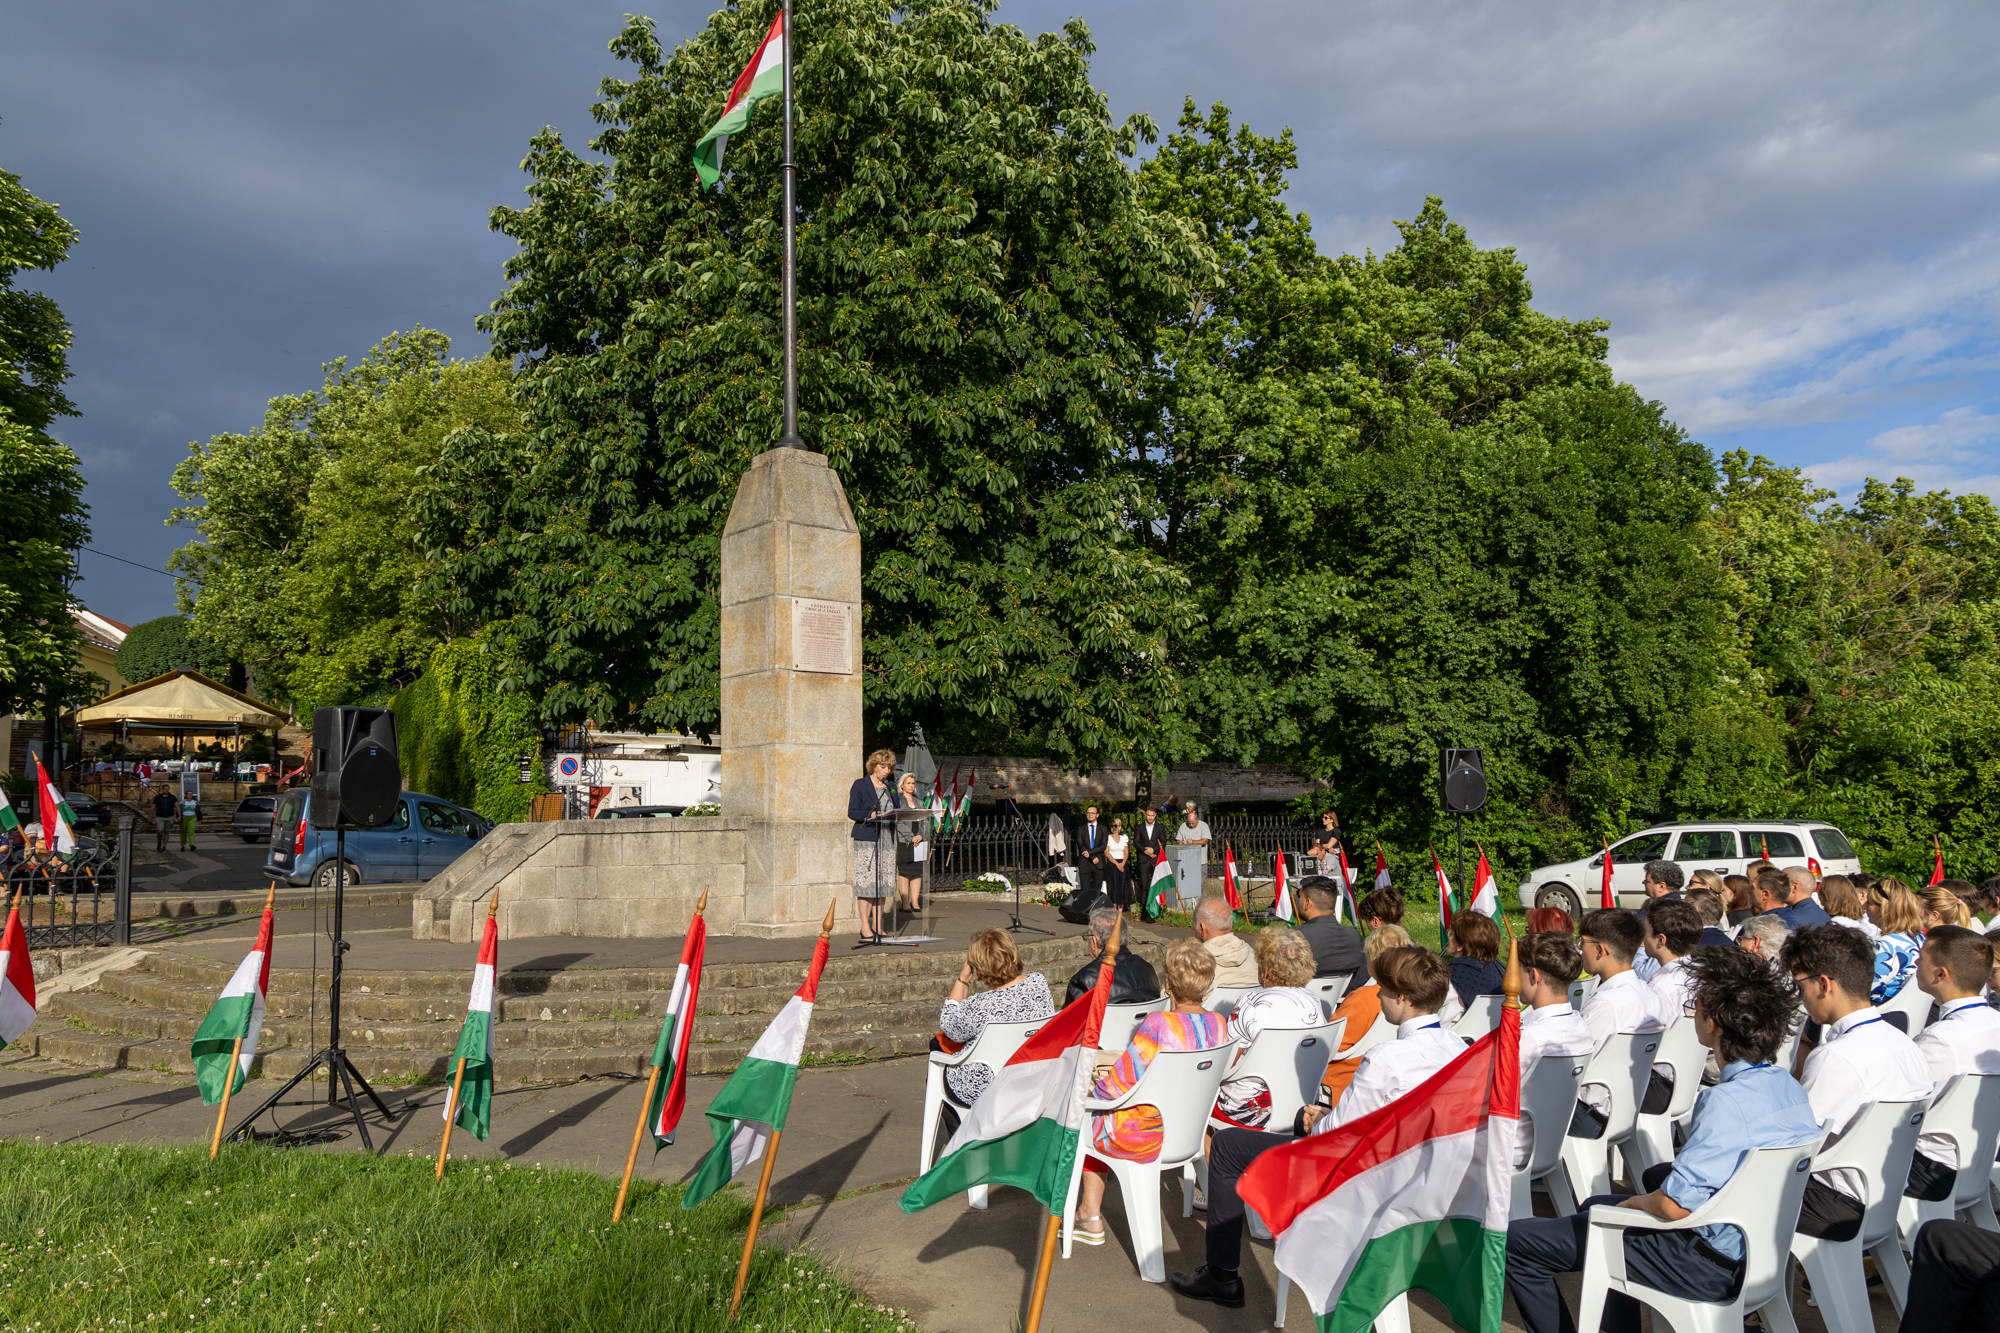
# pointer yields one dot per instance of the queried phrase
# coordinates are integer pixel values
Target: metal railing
(991, 844)
(1257, 838)
(76, 902)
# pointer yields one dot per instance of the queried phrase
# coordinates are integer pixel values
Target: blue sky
(1787, 212)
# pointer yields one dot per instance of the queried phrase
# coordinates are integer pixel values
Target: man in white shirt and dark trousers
(1550, 1028)
(1412, 985)
(1860, 1060)
(1621, 1004)
(1673, 931)
(1964, 1038)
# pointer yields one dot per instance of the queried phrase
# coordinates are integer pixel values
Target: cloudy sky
(1788, 212)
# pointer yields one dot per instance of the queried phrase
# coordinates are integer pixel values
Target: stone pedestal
(791, 688)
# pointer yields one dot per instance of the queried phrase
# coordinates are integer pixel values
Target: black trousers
(1954, 1280)
(1679, 1262)
(1930, 1180)
(1230, 1153)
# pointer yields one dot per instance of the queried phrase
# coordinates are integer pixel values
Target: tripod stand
(340, 1071)
(1027, 840)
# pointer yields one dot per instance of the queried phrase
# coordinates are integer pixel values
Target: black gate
(76, 901)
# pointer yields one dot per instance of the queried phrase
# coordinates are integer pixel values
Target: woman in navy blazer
(874, 840)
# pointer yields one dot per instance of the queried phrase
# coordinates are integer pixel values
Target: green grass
(112, 1237)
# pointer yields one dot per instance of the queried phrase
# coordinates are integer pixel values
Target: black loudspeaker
(356, 780)
(1462, 780)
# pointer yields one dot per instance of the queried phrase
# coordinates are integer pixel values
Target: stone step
(152, 906)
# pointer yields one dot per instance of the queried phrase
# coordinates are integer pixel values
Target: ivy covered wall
(462, 739)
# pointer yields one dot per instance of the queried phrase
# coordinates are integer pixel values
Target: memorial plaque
(822, 636)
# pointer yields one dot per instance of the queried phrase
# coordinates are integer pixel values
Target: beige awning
(183, 699)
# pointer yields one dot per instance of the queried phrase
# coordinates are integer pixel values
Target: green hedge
(462, 739)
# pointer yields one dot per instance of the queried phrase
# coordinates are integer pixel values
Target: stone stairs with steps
(400, 1027)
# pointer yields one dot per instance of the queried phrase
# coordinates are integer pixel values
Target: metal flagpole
(790, 439)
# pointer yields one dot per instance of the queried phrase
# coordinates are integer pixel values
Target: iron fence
(73, 902)
(991, 844)
(1256, 838)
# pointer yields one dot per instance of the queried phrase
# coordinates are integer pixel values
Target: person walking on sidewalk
(190, 812)
(164, 810)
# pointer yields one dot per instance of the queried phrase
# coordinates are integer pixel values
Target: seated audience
(1954, 1280)
(1381, 907)
(1673, 931)
(1844, 903)
(1661, 882)
(1284, 966)
(1763, 935)
(1707, 879)
(1011, 996)
(1964, 1038)
(1859, 1059)
(1235, 960)
(1967, 894)
(1988, 898)
(1742, 1013)
(1899, 917)
(1737, 898)
(1361, 1006)
(1942, 907)
(1134, 1133)
(1802, 900)
(1621, 1004)
(1550, 964)
(1475, 957)
(1336, 947)
(1541, 919)
(1133, 980)
(1709, 907)
(1412, 983)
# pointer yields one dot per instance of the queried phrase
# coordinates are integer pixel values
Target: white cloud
(1954, 452)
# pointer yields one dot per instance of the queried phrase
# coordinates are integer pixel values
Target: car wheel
(247, 837)
(1559, 895)
(324, 876)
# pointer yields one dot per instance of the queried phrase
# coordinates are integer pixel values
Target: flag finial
(1511, 981)
(826, 926)
(493, 904)
(1117, 934)
(701, 903)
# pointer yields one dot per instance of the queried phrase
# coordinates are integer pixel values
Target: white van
(1724, 846)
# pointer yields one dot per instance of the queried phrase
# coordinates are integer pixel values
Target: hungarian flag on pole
(1937, 870)
(1485, 893)
(17, 979)
(1382, 880)
(1413, 1195)
(758, 1096)
(1444, 902)
(670, 1054)
(59, 825)
(1347, 886)
(1156, 893)
(1024, 1129)
(964, 802)
(763, 77)
(1281, 905)
(239, 1012)
(1605, 898)
(1229, 893)
(473, 1109)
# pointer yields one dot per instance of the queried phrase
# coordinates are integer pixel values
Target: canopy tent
(183, 701)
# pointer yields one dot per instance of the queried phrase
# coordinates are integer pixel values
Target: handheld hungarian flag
(238, 1015)
(1937, 870)
(17, 979)
(59, 825)
(1444, 902)
(1229, 893)
(1156, 893)
(471, 1108)
(763, 77)
(1605, 898)
(754, 1103)
(1414, 1194)
(670, 1054)
(1382, 880)
(1281, 906)
(1485, 893)
(1025, 1128)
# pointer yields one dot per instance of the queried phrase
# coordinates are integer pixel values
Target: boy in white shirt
(1621, 1004)
(1963, 1039)
(1860, 1060)
(1550, 964)
(1673, 930)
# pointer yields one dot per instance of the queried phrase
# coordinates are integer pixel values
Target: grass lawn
(108, 1237)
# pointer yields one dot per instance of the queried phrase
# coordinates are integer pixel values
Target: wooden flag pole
(235, 1054)
(1510, 982)
(764, 1179)
(458, 1079)
(652, 1084)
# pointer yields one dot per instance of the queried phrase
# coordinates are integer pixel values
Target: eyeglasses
(1688, 1009)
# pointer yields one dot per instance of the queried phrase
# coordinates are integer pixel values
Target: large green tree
(155, 647)
(981, 288)
(42, 514)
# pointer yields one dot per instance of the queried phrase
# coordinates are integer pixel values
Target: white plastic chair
(1330, 990)
(1969, 1111)
(1909, 1005)
(1653, 1135)
(1291, 1061)
(1549, 1098)
(1580, 990)
(1181, 1086)
(1480, 1017)
(1223, 999)
(1395, 1316)
(1122, 1020)
(1379, 1031)
(1880, 1144)
(1761, 1200)
(1622, 1065)
(994, 1046)
(1788, 1050)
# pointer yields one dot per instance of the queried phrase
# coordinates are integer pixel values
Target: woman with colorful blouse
(1899, 915)
(1134, 1134)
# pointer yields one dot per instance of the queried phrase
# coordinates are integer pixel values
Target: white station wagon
(1725, 847)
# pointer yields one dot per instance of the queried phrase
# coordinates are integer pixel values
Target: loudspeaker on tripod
(357, 780)
(1462, 780)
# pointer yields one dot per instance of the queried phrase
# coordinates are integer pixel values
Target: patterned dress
(1895, 964)
(1023, 1002)
(1134, 1134)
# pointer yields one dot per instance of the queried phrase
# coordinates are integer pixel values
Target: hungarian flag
(1382, 880)
(1156, 893)
(763, 77)
(753, 1104)
(238, 1013)
(1485, 893)
(9, 821)
(964, 802)
(59, 825)
(17, 979)
(1281, 906)
(1764, 847)
(1347, 886)
(1025, 1128)
(670, 1054)
(1605, 898)
(1413, 1195)
(472, 1110)
(1444, 901)
(1937, 870)
(1229, 893)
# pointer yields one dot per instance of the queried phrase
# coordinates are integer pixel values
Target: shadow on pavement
(826, 1177)
(573, 1115)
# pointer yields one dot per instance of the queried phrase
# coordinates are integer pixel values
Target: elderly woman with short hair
(1011, 995)
(1134, 1134)
(1285, 967)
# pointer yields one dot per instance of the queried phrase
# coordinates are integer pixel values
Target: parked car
(1724, 846)
(252, 819)
(640, 811)
(427, 834)
(89, 812)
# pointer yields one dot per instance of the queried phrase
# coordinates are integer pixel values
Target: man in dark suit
(1090, 853)
(1149, 844)
(1336, 948)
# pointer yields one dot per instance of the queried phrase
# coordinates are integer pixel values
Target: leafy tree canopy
(155, 647)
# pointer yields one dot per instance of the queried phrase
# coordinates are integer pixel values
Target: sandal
(1082, 1237)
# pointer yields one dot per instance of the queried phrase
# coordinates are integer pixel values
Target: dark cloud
(1786, 211)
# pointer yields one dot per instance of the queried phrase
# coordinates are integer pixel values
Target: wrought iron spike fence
(1019, 848)
(84, 900)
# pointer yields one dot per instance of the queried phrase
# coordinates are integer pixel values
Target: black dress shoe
(1210, 1284)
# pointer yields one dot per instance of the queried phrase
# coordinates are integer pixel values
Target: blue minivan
(427, 834)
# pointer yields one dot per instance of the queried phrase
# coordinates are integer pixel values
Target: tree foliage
(461, 737)
(155, 647)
